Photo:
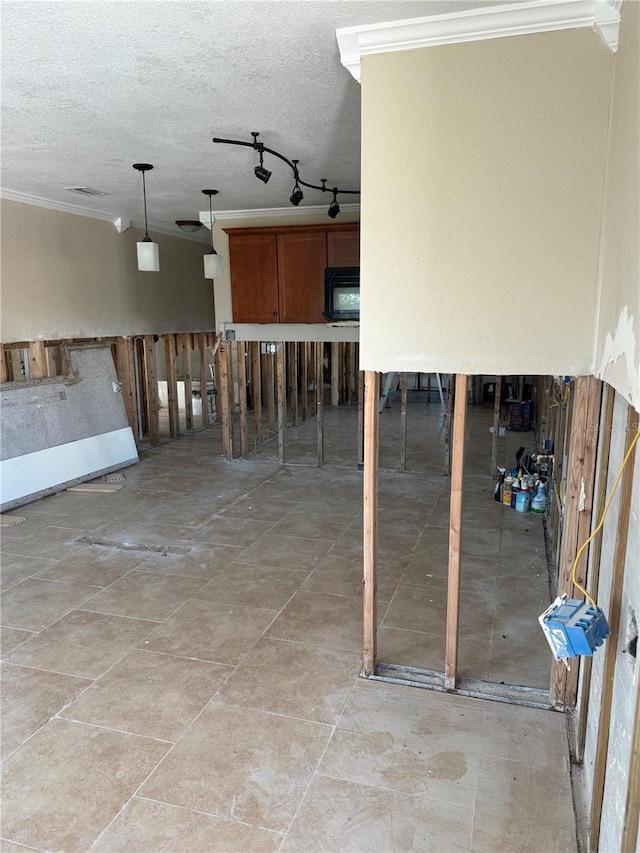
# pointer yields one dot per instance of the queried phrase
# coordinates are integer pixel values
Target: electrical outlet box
(268, 348)
(573, 628)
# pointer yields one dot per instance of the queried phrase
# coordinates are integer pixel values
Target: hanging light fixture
(297, 195)
(148, 254)
(334, 207)
(264, 174)
(189, 226)
(212, 260)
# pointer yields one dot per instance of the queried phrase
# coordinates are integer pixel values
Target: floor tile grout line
(319, 762)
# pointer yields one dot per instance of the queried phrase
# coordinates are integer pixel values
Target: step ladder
(390, 386)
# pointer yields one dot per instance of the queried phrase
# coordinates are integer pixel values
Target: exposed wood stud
(304, 381)
(292, 372)
(403, 421)
(172, 385)
(242, 396)
(447, 430)
(577, 515)
(606, 421)
(187, 347)
(455, 533)
(37, 360)
(225, 400)
(151, 388)
(497, 394)
(370, 519)
(319, 397)
(256, 390)
(349, 373)
(335, 374)
(269, 374)
(360, 418)
(282, 399)
(126, 375)
(611, 645)
(4, 367)
(204, 379)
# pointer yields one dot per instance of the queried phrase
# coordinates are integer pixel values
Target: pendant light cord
(144, 195)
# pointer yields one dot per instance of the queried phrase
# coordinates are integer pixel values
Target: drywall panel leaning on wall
(56, 433)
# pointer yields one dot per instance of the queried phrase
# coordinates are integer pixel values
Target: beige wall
(66, 276)
(617, 338)
(483, 174)
(222, 286)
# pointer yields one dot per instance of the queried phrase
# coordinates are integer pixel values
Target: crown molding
(266, 212)
(515, 19)
(120, 223)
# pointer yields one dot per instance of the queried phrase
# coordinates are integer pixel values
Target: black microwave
(342, 293)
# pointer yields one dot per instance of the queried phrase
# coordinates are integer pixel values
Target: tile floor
(193, 684)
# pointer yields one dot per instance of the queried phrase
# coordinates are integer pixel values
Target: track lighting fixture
(212, 260)
(297, 195)
(264, 174)
(189, 226)
(260, 172)
(148, 254)
(334, 207)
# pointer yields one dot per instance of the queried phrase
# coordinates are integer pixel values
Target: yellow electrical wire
(601, 522)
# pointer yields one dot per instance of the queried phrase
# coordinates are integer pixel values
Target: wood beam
(242, 396)
(151, 377)
(370, 510)
(204, 378)
(172, 383)
(37, 360)
(281, 391)
(578, 503)
(455, 532)
(403, 421)
(224, 397)
(605, 428)
(256, 391)
(125, 362)
(187, 347)
(319, 382)
(497, 393)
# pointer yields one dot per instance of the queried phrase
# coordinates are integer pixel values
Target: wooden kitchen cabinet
(277, 273)
(343, 248)
(254, 278)
(302, 258)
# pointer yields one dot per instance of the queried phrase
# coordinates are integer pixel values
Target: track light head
(334, 207)
(296, 196)
(262, 174)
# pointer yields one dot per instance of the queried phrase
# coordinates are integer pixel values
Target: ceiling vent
(85, 191)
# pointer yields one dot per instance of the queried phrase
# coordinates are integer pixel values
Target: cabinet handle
(275, 313)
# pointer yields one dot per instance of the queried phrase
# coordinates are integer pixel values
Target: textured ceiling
(88, 88)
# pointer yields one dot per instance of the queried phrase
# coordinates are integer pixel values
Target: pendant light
(148, 254)
(212, 260)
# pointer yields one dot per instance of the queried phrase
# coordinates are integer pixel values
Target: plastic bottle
(539, 502)
(515, 489)
(506, 490)
(523, 499)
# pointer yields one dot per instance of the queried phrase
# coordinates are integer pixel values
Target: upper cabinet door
(254, 278)
(302, 258)
(343, 249)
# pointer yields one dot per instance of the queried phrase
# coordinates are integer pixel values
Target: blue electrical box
(573, 627)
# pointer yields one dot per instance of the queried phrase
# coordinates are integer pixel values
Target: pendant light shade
(148, 256)
(212, 260)
(212, 265)
(148, 253)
